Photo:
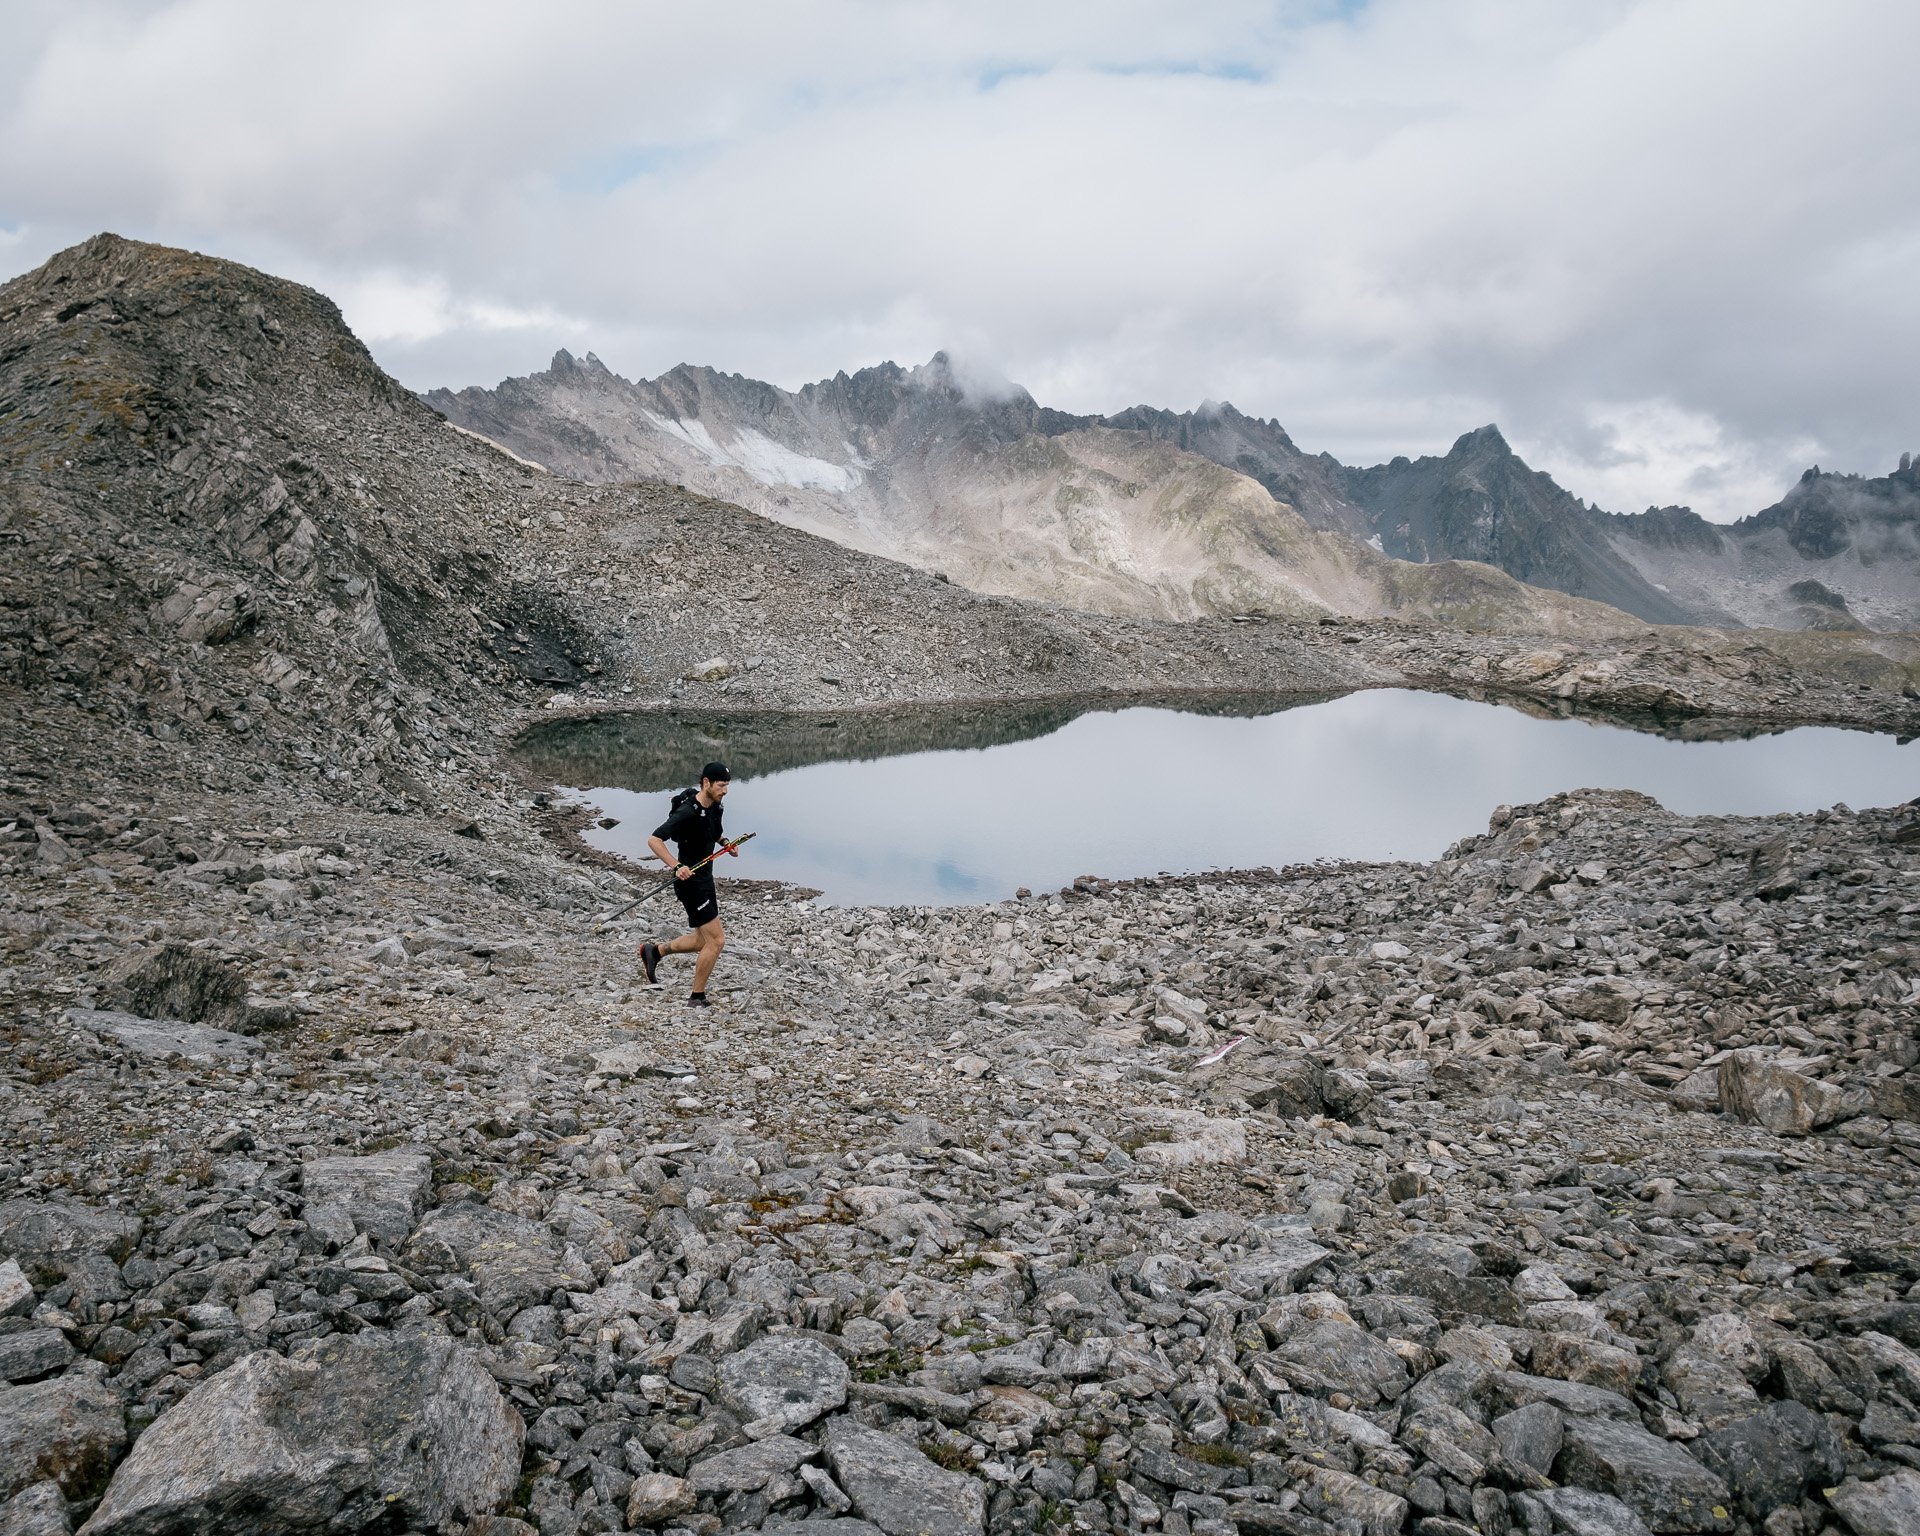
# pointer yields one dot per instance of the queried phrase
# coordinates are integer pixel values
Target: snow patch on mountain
(769, 462)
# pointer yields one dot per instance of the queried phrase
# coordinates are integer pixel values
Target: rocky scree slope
(1565, 1184)
(350, 1180)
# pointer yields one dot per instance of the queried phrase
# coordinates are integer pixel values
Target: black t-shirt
(693, 829)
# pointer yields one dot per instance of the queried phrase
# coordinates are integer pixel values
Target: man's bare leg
(706, 942)
(712, 938)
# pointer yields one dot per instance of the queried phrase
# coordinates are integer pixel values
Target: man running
(693, 828)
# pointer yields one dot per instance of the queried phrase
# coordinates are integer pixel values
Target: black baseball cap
(716, 773)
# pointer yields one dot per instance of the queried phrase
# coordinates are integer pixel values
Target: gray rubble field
(352, 1179)
(1568, 1183)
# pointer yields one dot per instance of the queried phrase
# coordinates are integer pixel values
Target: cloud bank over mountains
(1668, 246)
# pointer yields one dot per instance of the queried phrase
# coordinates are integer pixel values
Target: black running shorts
(697, 896)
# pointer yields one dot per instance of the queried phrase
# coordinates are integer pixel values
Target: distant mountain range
(1210, 511)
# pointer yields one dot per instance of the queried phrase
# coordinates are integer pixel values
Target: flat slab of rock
(751, 1466)
(780, 1385)
(33, 1352)
(512, 1261)
(637, 1061)
(898, 1489)
(384, 1193)
(1516, 1389)
(45, 1236)
(162, 1038)
(1331, 1356)
(1278, 1268)
(1887, 1506)
(1582, 1512)
(1197, 1141)
(377, 1426)
(1666, 1487)
(68, 1431)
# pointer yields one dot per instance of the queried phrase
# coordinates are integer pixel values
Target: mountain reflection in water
(966, 804)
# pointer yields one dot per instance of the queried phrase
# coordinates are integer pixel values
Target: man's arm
(670, 828)
(659, 846)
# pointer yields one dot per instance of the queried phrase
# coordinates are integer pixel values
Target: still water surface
(942, 807)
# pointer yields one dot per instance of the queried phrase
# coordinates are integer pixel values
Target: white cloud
(1645, 453)
(1383, 224)
(391, 307)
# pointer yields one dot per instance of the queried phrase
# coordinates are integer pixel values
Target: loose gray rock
(1772, 1457)
(1332, 1356)
(751, 1466)
(16, 1291)
(1530, 1436)
(37, 1511)
(1582, 1512)
(1765, 1093)
(373, 1426)
(162, 1039)
(658, 1496)
(383, 1193)
(897, 1488)
(1670, 1490)
(1887, 1506)
(1278, 1268)
(34, 1352)
(782, 1384)
(68, 1430)
(1351, 1502)
(45, 1237)
(513, 1262)
(843, 1526)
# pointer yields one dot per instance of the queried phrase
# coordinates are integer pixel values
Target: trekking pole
(648, 895)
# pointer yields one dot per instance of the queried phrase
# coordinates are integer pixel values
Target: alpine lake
(952, 805)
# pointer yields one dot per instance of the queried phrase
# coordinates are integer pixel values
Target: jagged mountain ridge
(1001, 494)
(878, 459)
(1843, 549)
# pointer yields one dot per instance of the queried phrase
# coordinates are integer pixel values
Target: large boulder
(373, 1427)
(1763, 1092)
(176, 981)
(384, 1193)
(46, 1237)
(1887, 1506)
(1772, 1457)
(781, 1385)
(1333, 1356)
(1667, 1487)
(898, 1489)
(513, 1262)
(68, 1431)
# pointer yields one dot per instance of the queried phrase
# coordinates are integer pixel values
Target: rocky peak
(1668, 528)
(1484, 441)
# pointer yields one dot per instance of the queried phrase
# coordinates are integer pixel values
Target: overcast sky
(1672, 248)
